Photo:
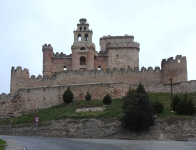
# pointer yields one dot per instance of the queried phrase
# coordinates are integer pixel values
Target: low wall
(31, 99)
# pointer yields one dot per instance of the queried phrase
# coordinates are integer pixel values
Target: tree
(176, 100)
(138, 110)
(68, 96)
(127, 100)
(88, 96)
(158, 106)
(140, 114)
(186, 106)
(141, 89)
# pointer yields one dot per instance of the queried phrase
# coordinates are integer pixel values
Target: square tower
(83, 50)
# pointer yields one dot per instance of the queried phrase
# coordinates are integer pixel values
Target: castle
(112, 71)
(116, 53)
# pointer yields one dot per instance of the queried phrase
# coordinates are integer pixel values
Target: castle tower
(175, 69)
(47, 59)
(83, 50)
(122, 50)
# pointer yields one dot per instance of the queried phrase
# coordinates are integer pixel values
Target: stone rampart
(145, 76)
(30, 99)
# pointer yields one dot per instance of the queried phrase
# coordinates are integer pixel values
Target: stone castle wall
(20, 78)
(30, 99)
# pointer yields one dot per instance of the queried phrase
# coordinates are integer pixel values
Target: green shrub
(140, 114)
(68, 96)
(88, 96)
(138, 110)
(107, 99)
(127, 100)
(176, 100)
(186, 106)
(158, 107)
(141, 89)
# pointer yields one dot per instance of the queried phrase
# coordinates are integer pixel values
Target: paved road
(41, 143)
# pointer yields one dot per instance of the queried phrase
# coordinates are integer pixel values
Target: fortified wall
(175, 69)
(31, 99)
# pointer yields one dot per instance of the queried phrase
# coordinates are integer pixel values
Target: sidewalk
(13, 145)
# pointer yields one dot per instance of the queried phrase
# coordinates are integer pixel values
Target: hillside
(113, 111)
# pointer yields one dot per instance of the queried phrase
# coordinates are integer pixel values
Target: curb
(13, 143)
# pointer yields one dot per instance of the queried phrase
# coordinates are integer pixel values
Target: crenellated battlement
(47, 47)
(85, 72)
(175, 69)
(177, 59)
(19, 70)
(61, 55)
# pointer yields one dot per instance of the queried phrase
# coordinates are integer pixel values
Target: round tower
(83, 50)
(47, 59)
(175, 69)
(123, 52)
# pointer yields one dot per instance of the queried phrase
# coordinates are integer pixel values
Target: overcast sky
(164, 28)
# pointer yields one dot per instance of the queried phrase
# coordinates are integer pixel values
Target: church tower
(83, 50)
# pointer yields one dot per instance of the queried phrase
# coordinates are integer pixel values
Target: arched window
(79, 37)
(82, 60)
(86, 37)
(80, 28)
(84, 28)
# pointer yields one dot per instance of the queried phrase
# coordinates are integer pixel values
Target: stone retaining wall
(105, 129)
(31, 99)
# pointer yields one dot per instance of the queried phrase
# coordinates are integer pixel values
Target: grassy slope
(1, 146)
(112, 111)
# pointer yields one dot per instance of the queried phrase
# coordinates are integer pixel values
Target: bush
(68, 96)
(140, 114)
(141, 89)
(88, 96)
(138, 110)
(158, 106)
(107, 99)
(176, 100)
(186, 106)
(127, 100)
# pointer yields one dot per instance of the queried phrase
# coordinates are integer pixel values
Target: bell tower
(83, 50)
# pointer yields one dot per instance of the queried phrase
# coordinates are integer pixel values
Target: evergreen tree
(138, 110)
(186, 106)
(158, 106)
(88, 96)
(140, 114)
(141, 89)
(176, 100)
(127, 100)
(68, 96)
